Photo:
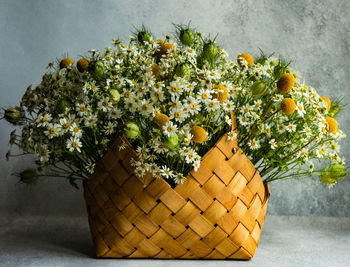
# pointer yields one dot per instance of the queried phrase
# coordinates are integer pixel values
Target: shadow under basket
(217, 213)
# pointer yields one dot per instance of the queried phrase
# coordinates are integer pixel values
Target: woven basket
(217, 213)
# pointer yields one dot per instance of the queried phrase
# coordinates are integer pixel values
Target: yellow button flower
(199, 134)
(288, 106)
(83, 64)
(328, 101)
(332, 125)
(66, 62)
(222, 93)
(160, 120)
(246, 57)
(285, 83)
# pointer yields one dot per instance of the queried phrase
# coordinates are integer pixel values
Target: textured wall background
(315, 34)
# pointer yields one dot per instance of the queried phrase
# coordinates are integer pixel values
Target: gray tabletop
(63, 241)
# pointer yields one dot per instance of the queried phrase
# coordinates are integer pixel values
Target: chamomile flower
(232, 135)
(300, 109)
(109, 128)
(44, 119)
(273, 144)
(166, 172)
(75, 130)
(44, 153)
(105, 104)
(196, 164)
(254, 144)
(291, 127)
(90, 167)
(169, 129)
(73, 144)
(53, 130)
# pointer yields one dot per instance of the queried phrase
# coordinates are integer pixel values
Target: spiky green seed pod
(334, 110)
(331, 175)
(63, 105)
(186, 37)
(258, 89)
(28, 176)
(13, 115)
(338, 171)
(132, 131)
(183, 70)
(114, 96)
(172, 141)
(143, 36)
(209, 51)
(258, 128)
(97, 69)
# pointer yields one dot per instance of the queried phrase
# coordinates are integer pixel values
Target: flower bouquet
(175, 142)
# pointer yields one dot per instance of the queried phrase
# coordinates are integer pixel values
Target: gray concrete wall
(315, 34)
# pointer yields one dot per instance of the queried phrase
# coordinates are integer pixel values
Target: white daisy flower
(179, 178)
(73, 144)
(75, 130)
(300, 109)
(44, 153)
(166, 172)
(320, 153)
(204, 94)
(254, 144)
(169, 129)
(90, 167)
(273, 144)
(291, 127)
(53, 130)
(109, 128)
(43, 119)
(232, 135)
(196, 165)
(105, 104)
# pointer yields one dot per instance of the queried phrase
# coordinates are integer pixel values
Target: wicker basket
(217, 213)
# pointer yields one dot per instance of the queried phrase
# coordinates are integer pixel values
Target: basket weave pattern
(217, 213)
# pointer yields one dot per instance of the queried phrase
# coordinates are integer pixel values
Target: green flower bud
(183, 70)
(172, 141)
(338, 171)
(186, 37)
(258, 128)
(13, 115)
(334, 173)
(62, 106)
(258, 88)
(132, 131)
(28, 176)
(143, 36)
(334, 110)
(97, 69)
(328, 180)
(114, 95)
(209, 51)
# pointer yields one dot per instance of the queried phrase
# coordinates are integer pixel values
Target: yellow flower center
(76, 129)
(65, 125)
(177, 115)
(52, 131)
(43, 119)
(75, 144)
(145, 107)
(174, 89)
